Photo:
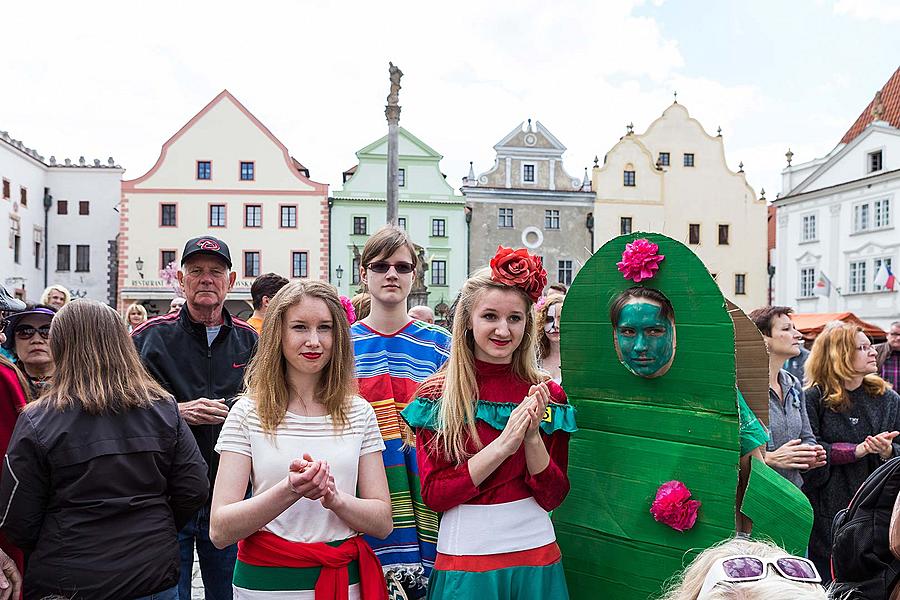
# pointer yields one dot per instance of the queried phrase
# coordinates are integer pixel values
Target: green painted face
(645, 339)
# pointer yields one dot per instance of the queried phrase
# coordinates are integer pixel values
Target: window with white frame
(505, 217)
(528, 173)
(807, 281)
(401, 223)
(874, 160)
(861, 217)
(253, 215)
(439, 228)
(439, 272)
(551, 219)
(876, 266)
(299, 264)
(857, 277)
(565, 272)
(809, 232)
(882, 212)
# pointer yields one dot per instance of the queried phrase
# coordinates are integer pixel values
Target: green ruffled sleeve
(422, 413)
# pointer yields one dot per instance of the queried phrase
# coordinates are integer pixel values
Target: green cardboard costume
(638, 431)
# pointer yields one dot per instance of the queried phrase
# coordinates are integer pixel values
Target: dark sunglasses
(381, 266)
(26, 332)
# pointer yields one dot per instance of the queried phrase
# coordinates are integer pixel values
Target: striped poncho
(389, 369)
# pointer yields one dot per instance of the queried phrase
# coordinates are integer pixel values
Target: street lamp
(339, 272)
(140, 266)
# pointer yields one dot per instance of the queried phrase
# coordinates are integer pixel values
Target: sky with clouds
(100, 79)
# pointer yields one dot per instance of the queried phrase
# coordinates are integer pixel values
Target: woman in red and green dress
(492, 442)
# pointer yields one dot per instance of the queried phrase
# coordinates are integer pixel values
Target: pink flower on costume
(673, 507)
(348, 308)
(640, 260)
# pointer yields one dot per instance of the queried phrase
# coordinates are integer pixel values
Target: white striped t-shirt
(306, 520)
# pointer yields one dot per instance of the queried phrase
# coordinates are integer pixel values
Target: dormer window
(874, 161)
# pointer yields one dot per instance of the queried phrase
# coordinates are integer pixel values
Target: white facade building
(226, 175)
(836, 218)
(77, 246)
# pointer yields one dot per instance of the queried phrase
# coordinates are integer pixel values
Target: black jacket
(174, 350)
(96, 501)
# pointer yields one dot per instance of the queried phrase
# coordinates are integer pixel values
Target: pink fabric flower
(640, 260)
(673, 507)
(348, 308)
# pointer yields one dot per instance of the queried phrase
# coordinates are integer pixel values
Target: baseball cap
(206, 245)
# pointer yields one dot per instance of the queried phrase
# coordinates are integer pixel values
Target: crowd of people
(308, 452)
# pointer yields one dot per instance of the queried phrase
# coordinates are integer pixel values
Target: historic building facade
(429, 209)
(223, 174)
(836, 222)
(528, 199)
(62, 222)
(673, 179)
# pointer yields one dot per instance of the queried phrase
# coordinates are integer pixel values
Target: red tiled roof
(890, 97)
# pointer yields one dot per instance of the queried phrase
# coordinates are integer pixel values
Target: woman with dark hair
(101, 471)
(855, 416)
(27, 335)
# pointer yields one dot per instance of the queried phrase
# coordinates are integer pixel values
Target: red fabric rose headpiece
(519, 269)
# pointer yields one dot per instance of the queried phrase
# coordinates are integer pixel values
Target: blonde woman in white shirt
(311, 449)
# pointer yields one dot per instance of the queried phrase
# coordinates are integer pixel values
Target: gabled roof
(406, 134)
(539, 129)
(890, 98)
(225, 95)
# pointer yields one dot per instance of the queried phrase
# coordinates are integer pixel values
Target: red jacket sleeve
(551, 486)
(12, 401)
(444, 484)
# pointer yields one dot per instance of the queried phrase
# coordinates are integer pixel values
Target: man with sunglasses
(28, 338)
(394, 355)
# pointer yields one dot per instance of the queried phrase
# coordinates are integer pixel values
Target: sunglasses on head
(745, 568)
(382, 266)
(26, 332)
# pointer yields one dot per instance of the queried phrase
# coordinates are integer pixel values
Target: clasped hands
(881, 444)
(312, 479)
(796, 455)
(525, 419)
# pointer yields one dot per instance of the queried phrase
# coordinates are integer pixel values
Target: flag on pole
(823, 286)
(885, 278)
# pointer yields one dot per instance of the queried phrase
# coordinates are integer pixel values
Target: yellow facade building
(673, 179)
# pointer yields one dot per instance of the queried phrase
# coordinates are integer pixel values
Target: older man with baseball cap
(198, 354)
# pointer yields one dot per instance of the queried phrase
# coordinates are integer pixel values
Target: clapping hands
(312, 479)
(525, 419)
(881, 444)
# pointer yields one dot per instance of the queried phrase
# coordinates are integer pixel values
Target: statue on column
(395, 74)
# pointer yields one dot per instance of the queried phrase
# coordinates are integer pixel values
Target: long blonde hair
(543, 346)
(97, 365)
(687, 585)
(830, 364)
(456, 413)
(265, 379)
